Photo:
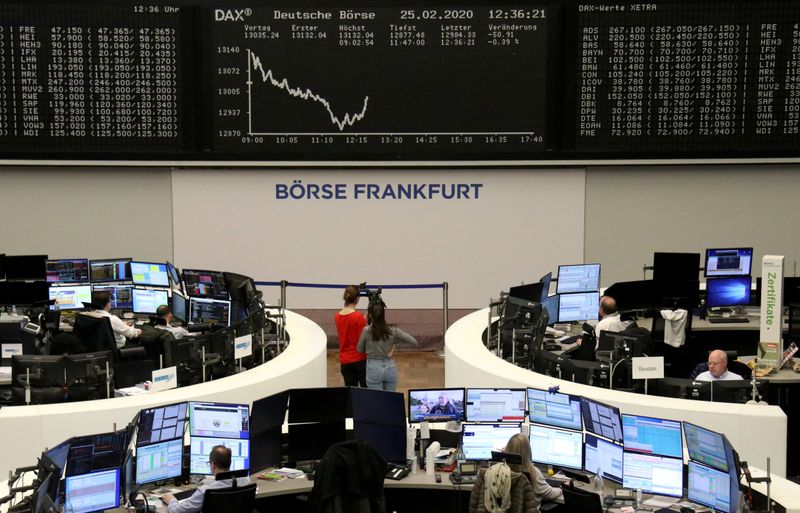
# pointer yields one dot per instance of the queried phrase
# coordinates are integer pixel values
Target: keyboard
(184, 494)
(727, 320)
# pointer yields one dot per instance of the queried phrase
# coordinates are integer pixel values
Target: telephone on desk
(396, 472)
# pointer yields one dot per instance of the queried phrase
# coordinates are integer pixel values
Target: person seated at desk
(609, 320)
(122, 330)
(220, 461)
(513, 488)
(444, 406)
(718, 368)
(164, 320)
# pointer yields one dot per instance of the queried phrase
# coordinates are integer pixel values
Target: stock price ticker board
(310, 80)
(89, 78)
(373, 80)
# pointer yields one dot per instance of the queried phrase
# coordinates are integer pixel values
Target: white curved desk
(26, 430)
(755, 431)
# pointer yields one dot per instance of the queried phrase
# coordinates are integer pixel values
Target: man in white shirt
(609, 317)
(164, 313)
(122, 330)
(219, 460)
(718, 368)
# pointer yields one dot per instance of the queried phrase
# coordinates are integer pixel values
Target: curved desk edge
(469, 364)
(26, 430)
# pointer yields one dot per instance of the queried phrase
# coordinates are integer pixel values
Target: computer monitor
(266, 420)
(70, 297)
(96, 491)
(205, 284)
(91, 453)
(203, 310)
(240, 287)
(201, 448)
(709, 487)
(159, 461)
(545, 281)
(75, 270)
(121, 296)
(26, 292)
(25, 267)
(174, 275)
(729, 291)
(389, 441)
(550, 305)
(737, 391)
(109, 269)
(623, 345)
(580, 306)
(729, 262)
(87, 369)
(684, 388)
(495, 404)
(219, 420)
(43, 370)
(179, 306)
(436, 405)
(650, 435)
(479, 440)
(379, 406)
(599, 454)
(676, 266)
(149, 274)
(161, 423)
(601, 419)
(652, 474)
(530, 292)
(317, 404)
(310, 441)
(554, 409)
(147, 301)
(58, 454)
(559, 447)
(578, 278)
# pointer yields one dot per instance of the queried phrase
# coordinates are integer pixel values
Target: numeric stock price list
(89, 78)
(673, 77)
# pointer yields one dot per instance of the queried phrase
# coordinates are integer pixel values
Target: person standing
(349, 325)
(378, 340)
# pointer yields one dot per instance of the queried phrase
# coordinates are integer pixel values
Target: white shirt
(194, 503)
(122, 329)
(726, 376)
(177, 331)
(610, 323)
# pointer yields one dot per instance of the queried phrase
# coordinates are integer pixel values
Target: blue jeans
(381, 374)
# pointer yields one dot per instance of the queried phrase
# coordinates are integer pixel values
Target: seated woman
(512, 488)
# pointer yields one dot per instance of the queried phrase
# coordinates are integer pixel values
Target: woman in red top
(349, 324)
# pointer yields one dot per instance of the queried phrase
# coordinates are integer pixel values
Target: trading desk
(469, 364)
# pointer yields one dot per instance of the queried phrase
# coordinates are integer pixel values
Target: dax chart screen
(324, 80)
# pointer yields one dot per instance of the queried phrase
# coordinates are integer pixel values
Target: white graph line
(307, 94)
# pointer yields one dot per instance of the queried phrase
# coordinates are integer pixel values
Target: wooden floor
(415, 369)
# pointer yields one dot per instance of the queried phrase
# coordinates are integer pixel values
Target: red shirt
(349, 328)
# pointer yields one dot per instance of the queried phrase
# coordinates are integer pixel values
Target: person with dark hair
(349, 325)
(122, 330)
(379, 340)
(164, 322)
(219, 460)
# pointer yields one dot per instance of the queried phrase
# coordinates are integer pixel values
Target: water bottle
(599, 485)
(638, 503)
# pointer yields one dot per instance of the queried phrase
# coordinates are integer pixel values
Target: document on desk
(658, 501)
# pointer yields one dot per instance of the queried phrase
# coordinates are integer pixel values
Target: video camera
(373, 295)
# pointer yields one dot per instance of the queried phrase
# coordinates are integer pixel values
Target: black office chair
(230, 500)
(96, 335)
(349, 478)
(581, 501)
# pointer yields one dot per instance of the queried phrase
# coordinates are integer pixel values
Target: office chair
(580, 501)
(96, 335)
(230, 500)
(349, 478)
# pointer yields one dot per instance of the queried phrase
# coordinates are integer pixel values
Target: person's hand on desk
(167, 498)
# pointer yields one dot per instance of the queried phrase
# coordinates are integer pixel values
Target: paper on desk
(660, 502)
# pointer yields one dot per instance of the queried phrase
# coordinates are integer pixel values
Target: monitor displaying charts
(709, 487)
(209, 311)
(110, 269)
(578, 307)
(121, 296)
(601, 419)
(706, 446)
(649, 435)
(578, 278)
(149, 274)
(70, 297)
(74, 270)
(599, 454)
(554, 409)
(559, 447)
(495, 404)
(479, 440)
(159, 461)
(652, 474)
(147, 301)
(219, 420)
(201, 448)
(96, 491)
(161, 423)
